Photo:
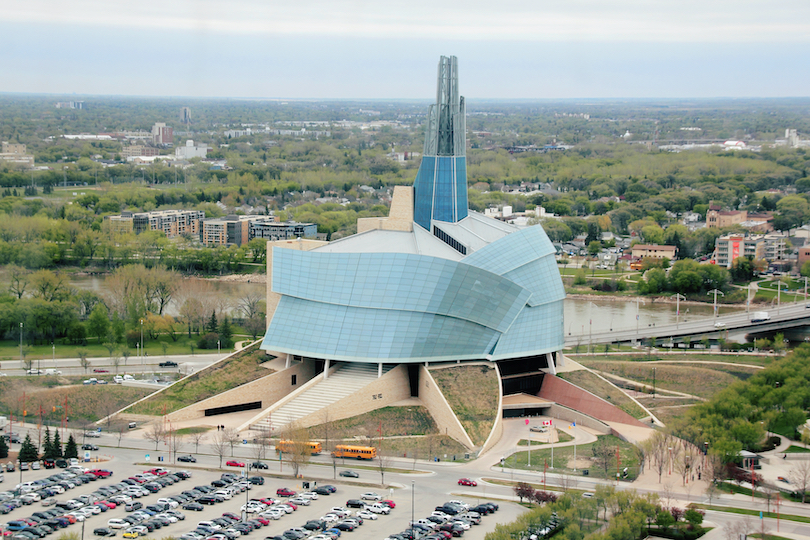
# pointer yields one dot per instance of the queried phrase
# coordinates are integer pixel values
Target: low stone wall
(268, 390)
(382, 392)
(446, 420)
(570, 415)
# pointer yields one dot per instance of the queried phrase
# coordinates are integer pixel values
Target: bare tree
(219, 443)
(198, 437)
(155, 433)
(261, 446)
(116, 361)
(126, 353)
(232, 436)
(249, 305)
(383, 462)
(298, 450)
(176, 443)
(800, 476)
(27, 362)
(83, 361)
(121, 428)
(657, 448)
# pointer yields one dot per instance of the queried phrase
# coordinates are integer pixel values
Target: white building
(190, 150)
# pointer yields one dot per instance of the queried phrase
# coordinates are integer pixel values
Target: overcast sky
(532, 49)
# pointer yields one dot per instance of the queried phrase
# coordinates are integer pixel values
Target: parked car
(285, 492)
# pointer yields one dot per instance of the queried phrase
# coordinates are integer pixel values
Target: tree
(176, 442)
(71, 450)
(57, 445)
(298, 449)
(98, 324)
(28, 452)
(155, 433)
(800, 477)
(213, 326)
(226, 333)
(232, 436)
(255, 325)
(383, 462)
(523, 491)
(220, 445)
(83, 361)
(47, 444)
(3, 448)
(594, 248)
(603, 455)
(19, 279)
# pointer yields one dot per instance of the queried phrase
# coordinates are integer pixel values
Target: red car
(108, 504)
(467, 482)
(101, 473)
(101, 370)
(262, 520)
(389, 504)
(233, 463)
(285, 492)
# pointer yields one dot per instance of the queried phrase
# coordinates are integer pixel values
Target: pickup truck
(168, 363)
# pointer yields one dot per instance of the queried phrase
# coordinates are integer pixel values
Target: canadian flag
(546, 422)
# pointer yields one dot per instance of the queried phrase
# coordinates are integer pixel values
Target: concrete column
(326, 369)
(289, 361)
(379, 369)
(550, 361)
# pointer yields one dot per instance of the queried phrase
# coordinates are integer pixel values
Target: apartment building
(172, 223)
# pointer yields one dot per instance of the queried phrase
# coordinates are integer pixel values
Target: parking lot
(396, 521)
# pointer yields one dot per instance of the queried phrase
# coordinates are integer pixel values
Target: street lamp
(715, 292)
(142, 355)
(21, 328)
(218, 350)
(53, 346)
(678, 297)
(413, 498)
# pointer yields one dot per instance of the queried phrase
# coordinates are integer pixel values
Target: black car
(258, 465)
(89, 447)
(330, 487)
(187, 459)
(257, 480)
(168, 363)
(219, 483)
(321, 490)
(207, 499)
(349, 474)
(345, 526)
(315, 525)
(62, 463)
(355, 503)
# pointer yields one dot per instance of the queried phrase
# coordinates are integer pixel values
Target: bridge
(784, 317)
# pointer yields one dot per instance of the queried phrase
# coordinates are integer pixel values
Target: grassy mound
(85, 403)
(242, 368)
(472, 392)
(593, 384)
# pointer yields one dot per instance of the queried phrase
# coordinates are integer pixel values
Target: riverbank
(650, 300)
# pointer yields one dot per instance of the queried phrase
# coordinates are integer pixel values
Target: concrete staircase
(345, 381)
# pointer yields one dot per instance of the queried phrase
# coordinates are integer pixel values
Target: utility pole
(21, 358)
(678, 297)
(715, 292)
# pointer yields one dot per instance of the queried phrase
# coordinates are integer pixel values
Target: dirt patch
(472, 392)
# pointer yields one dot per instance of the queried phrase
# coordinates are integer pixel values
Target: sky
(356, 49)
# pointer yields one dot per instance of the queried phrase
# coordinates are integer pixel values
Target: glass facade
(396, 307)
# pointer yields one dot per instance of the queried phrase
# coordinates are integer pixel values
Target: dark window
(449, 240)
(294, 380)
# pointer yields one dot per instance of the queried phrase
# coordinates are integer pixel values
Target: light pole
(142, 355)
(715, 292)
(53, 346)
(670, 461)
(678, 297)
(21, 328)
(778, 295)
(413, 498)
(218, 349)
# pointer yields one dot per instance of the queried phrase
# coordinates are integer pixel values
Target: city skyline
(345, 50)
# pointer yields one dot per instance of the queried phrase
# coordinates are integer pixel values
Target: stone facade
(446, 420)
(497, 429)
(268, 390)
(400, 216)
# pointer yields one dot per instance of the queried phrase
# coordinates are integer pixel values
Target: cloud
(742, 21)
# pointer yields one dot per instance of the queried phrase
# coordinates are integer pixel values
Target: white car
(225, 494)
(172, 503)
(339, 510)
(365, 514)
(209, 524)
(371, 496)
(170, 517)
(719, 324)
(300, 501)
(379, 508)
(330, 518)
(308, 495)
(462, 504)
(117, 523)
(286, 508)
(269, 514)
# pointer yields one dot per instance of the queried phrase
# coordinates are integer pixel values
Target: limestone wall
(570, 415)
(435, 402)
(268, 390)
(400, 216)
(387, 390)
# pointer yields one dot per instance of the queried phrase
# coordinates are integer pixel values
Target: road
(148, 364)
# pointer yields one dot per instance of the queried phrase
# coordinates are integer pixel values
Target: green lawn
(562, 456)
(793, 449)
